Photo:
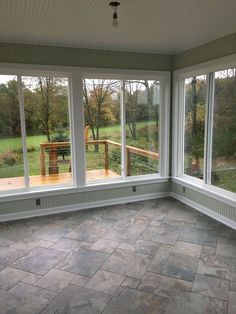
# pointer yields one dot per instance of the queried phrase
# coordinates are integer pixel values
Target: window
(142, 126)
(74, 128)
(46, 109)
(121, 127)
(208, 143)
(11, 151)
(102, 128)
(224, 130)
(34, 132)
(194, 127)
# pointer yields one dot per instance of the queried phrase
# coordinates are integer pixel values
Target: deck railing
(52, 149)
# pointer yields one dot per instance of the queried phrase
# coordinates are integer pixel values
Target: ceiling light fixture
(114, 5)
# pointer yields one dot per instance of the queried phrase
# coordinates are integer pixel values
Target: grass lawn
(95, 160)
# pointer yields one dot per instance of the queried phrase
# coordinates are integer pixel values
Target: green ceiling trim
(218, 48)
(69, 56)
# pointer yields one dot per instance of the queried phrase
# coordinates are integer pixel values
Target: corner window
(206, 130)
(224, 130)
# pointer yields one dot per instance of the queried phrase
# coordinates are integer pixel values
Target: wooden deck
(54, 179)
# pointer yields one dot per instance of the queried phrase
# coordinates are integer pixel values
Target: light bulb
(115, 22)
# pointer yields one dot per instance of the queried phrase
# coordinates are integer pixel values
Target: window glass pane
(46, 104)
(102, 129)
(142, 100)
(11, 158)
(194, 127)
(224, 131)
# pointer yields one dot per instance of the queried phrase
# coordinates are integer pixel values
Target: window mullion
(209, 129)
(123, 132)
(77, 129)
(181, 126)
(23, 132)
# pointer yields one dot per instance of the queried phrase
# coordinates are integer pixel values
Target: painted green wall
(68, 56)
(218, 48)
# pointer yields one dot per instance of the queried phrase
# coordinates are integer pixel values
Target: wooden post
(128, 160)
(53, 166)
(106, 157)
(42, 161)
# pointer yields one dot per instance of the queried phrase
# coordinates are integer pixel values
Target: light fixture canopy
(114, 5)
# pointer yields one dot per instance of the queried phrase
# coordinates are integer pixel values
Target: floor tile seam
(51, 301)
(162, 274)
(207, 296)
(85, 286)
(56, 294)
(38, 273)
(35, 283)
(211, 277)
(16, 282)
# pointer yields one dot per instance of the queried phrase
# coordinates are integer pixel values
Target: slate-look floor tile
(183, 302)
(77, 300)
(232, 303)
(176, 265)
(39, 260)
(10, 276)
(128, 263)
(83, 261)
(55, 280)
(129, 301)
(157, 284)
(156, 256)
(211, 287)
(218, 266)
(25, 299)
(105, 282)
(199, 236)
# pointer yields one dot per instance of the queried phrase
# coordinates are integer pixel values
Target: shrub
(8, 158)
(61, 136)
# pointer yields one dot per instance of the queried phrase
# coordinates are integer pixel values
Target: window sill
(209, 190)
(92, 186)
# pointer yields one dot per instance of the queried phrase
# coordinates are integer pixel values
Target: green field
(94, 159)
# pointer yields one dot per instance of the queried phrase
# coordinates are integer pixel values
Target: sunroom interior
(117, 145)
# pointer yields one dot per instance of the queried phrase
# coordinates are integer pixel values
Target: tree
(98, 103)
(9, 109)
(195, 122)
(46, 104)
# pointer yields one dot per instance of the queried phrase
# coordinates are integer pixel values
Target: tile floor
(156, 256)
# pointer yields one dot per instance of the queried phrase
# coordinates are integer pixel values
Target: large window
(207, 149)
(34, 132)
(121, 127)
(71, 127)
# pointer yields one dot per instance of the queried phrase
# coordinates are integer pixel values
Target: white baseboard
(83, 206)
(205, 210)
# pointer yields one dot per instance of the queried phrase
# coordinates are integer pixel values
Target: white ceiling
(157, 26)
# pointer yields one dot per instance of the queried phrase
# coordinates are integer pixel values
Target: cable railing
(52, 149)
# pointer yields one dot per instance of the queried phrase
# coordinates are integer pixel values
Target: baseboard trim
(83, 206)
(204, 210)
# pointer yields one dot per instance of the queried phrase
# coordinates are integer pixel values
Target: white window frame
(164, 122)
(76, 113)
(178, 176)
